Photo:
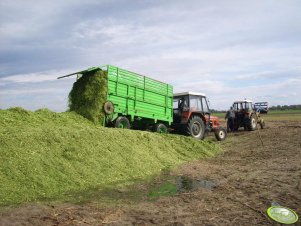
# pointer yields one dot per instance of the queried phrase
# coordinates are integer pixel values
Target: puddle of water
(165, 189)
(180, 184)
(187, 184)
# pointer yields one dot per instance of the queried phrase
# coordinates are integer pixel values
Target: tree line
(286, 107)
(273, 108)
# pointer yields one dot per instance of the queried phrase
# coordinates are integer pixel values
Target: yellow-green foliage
(89, 94)
(46, 155)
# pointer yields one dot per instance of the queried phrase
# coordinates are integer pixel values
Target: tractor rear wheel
(252, 123)
(220, 134)
(160, 128)
(196, 127)
(122, 122)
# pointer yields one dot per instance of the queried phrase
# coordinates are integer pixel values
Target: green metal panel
(139, 96)
(135, 95)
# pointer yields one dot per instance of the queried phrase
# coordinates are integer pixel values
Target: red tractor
(191, 116)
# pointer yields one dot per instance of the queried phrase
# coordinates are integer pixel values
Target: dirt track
(256, 169)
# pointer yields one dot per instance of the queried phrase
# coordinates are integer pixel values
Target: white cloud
(114, 33)
(229, 50)
(34, 77)
(17, 92)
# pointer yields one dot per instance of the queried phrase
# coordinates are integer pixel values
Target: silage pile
(45, 155)
(88, 95)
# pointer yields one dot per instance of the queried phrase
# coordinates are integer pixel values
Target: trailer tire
(196, 128)
(108, 108)
(122, 123)
(160, 128)
(220, 134)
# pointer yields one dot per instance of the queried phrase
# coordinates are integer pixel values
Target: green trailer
(134, 100)
(119, 98)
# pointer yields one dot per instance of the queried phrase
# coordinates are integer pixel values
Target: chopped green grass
(88, 95)
(56, 156)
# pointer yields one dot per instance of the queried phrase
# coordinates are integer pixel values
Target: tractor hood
(211, 117)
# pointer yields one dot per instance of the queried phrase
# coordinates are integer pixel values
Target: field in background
(287, 115)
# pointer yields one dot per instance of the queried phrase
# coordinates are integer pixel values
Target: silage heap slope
(44, 154)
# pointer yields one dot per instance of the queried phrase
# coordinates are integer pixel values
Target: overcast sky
(229, 50)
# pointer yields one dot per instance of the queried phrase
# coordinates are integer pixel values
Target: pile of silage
(88, 95)
(63, 156)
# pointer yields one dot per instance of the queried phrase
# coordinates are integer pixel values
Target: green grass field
(62, 156)
(288, 115)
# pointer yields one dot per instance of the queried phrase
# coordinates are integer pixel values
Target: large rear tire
(196, 128)
(252, 123)
(220, 134)
(122, 123)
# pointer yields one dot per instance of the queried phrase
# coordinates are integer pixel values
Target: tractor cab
(244, 106)
(187, 104)
(191, 115)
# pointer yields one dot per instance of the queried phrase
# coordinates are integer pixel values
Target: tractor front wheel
(252, 123)
(220, 134)
(122, 122)
(196, 127)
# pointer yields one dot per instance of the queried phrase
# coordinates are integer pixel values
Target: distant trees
(275, 108)
(217, 111)
(286, 107)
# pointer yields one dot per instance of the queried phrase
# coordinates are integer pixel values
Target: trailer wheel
(196, 128)
(220, 134)
(160, 128)
(108, 108)
(122, 122)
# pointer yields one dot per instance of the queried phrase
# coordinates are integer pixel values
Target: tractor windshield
(191, 103)
(239, 106)
(248, 106)
(205, 105)
(199, 104)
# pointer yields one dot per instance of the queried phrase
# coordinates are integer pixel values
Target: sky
(229, 50)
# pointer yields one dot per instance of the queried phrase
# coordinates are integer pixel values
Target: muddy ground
(256, 169)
